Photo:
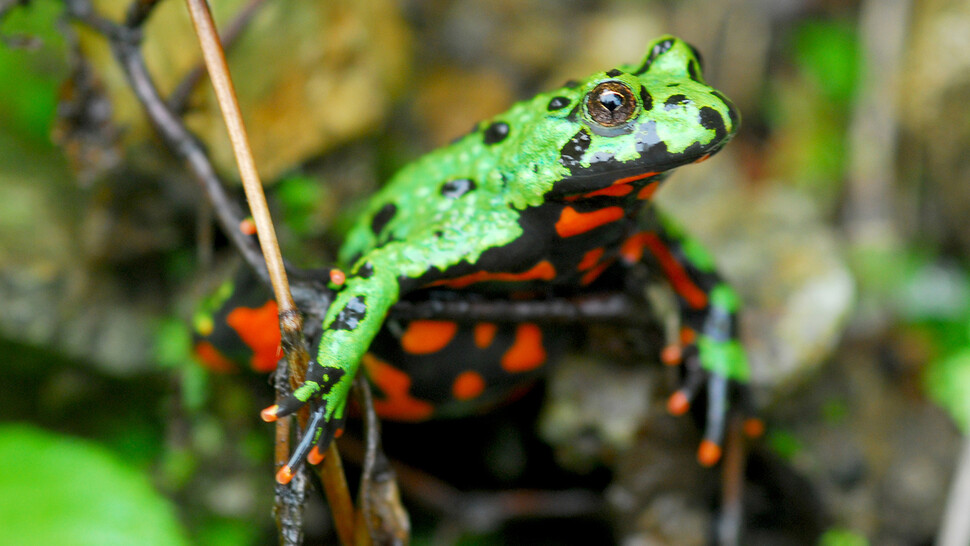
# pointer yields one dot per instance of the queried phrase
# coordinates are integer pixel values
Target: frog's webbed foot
(327, 400)
(726, 396)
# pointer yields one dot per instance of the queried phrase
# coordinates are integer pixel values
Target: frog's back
(558, 150)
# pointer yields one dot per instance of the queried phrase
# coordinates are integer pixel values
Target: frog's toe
(694, 377)
(285, 407)
(318, 434)
(328, 432)
(709, 452)
(751, 425)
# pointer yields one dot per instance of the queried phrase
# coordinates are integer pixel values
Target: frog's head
(646, 118)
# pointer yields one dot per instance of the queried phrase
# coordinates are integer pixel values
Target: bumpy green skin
(412, 234)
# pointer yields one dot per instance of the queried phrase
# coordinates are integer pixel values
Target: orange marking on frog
(709, 453)
(678, 403)
(469, 384)
(594, 273)
(572, 223)
(634, 178)
(632, 249)
(428, 336)
(753, 427)
(632, 252)
(672, 355)
(212, 358)
(260, 331)
(590, 259)
(484, 334)
(526, 352)
(315, 457)
(541, 271)
(612, 191)
(247, 226)
(647, 191)
(398, 403)
(687, 336)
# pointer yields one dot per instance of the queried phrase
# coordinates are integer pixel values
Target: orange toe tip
(709, 453)
(284, 475)
(269, 414)
(678, 404)
(337, 277)
(248, 226)
(671, 355)
(315, 456)
(754, 427)
(339, 433)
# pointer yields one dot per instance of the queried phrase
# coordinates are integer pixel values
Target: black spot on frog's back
(453, 189)
(365, 271)
(350, 316)
(382, 217)
(496, 132)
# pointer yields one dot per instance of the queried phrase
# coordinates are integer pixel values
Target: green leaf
(842, 537)
(28, 101)
(948, 384)
(56, 489)
(828, 51)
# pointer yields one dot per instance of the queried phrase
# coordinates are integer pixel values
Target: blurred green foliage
(809, 109)
(842, 537)
(55, 489)
(28, 107)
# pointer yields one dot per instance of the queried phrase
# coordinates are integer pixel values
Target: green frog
(552, 197)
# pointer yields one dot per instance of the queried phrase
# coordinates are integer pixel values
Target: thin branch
(179, 98)
(338, 495)
(955, 529)
(138, 12)
(174, 134)
(291, 322)
(731, 517)
(291, 497)
(381, 518)
(215, 61)
(607, 308)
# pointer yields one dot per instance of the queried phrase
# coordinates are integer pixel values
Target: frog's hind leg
(437, 368)
(709, 350)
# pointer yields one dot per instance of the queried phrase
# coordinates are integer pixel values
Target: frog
(553, 197)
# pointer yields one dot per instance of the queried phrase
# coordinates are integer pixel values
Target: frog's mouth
(604, 171)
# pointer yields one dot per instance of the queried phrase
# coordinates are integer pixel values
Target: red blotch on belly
(260, 331)
(527, 352)
(428, 336)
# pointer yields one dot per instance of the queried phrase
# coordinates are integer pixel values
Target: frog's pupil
(611, 100)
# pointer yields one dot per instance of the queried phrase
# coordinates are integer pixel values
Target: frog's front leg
(352, 321)
(709, 348)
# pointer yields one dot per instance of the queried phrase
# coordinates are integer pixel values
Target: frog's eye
(611, 103)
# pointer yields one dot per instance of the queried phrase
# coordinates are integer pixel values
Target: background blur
(839, 211)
